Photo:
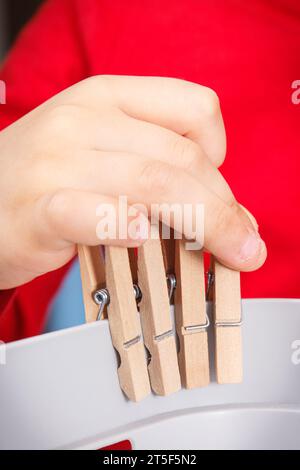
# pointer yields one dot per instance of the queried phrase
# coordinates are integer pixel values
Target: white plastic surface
(61, 390)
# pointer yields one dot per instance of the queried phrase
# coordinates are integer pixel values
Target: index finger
(184, 107)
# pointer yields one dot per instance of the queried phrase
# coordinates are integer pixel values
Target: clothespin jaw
(125, 325)
(155, 317)
(124, 278)
(119, 298)
(226, 297)
(92, 270)
(191, 318)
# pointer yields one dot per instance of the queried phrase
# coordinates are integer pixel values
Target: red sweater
(247, 51)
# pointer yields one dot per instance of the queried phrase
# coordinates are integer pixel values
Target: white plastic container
(61, 390)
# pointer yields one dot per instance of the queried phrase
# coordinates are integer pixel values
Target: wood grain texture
(125, 325)
(92, 271)
(156, 320)
(227, 308)
(190, 310)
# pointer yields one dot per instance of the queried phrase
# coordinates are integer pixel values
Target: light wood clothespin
(92, 272)
(191, 319)
(119, 296)
(123, 279)
(226, 297)
(156, 321)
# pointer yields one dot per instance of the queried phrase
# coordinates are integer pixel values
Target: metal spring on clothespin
(110, 284)
(102, 298)
(107, 282)
(210, 283)
(172, 283)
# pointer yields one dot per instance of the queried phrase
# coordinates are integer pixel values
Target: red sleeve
(6, 300)
(46, 58)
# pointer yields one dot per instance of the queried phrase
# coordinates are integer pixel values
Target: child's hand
(154, 140)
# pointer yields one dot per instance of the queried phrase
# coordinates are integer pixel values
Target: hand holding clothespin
(134, 292)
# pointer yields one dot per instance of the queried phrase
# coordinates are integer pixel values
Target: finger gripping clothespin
(116, 283)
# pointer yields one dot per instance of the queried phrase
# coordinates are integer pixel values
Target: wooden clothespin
(226, 297)
(156, 321)
(110, 285)
(119, 296)
(92, 271)
(191, 318)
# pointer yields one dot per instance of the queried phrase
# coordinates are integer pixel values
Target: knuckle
(206, 104)
(57, 207)
(96, 80)
(100, 79)
(102, 85)
(61, 118)
(220, 157)
(156, 178)
(211, 102)
(221, 219)
(225, 217)
(185, 153)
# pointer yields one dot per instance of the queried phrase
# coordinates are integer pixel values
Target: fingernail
(251, 247)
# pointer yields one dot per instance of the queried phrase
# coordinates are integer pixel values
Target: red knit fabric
(247, 51)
